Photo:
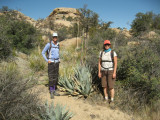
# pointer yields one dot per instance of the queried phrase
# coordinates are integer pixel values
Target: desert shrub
(129, 100)
(138, 79)
(140, 70)
(119, 41)
(19, 34)
(73, 30)
(5, 49)
(144, 22)
(62, 33)
(98, 38)
(17, 102)
(22, 35)
(57, 112)
(5, 46)
(69, 18)
(36, 60)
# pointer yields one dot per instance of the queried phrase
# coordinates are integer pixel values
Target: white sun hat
(55, 35)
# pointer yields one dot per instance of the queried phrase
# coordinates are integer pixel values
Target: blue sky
(120, 12)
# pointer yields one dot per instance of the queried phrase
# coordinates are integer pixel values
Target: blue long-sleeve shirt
(53, 54)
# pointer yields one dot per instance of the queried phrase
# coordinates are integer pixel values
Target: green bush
(5, 46)
(23, 35)
(69, 18)
(140, 71)
(62, 33)
(19, 34)
(145, 22)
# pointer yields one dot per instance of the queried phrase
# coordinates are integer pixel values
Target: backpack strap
(56, 46)
(50, 47)
(112, 55)
(101, 54)
(48, 51)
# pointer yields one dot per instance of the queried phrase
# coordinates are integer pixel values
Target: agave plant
(57, 112)
(79, 83)
(83, 79)
(67, 83)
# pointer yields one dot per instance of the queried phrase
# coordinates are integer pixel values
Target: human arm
(44, 51)
(115, 67)
(99, 68)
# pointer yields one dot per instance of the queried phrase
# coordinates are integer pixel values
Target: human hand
(114, 75)
(99, 75)
(49, 61)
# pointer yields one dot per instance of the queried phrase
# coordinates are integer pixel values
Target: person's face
(107, 46)
(55, 39)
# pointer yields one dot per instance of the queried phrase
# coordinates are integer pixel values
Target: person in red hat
(107, 68)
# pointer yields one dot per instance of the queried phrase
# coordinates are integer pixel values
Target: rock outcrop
(63, 13)
(125, 32)
(21, 16)
(63, 16)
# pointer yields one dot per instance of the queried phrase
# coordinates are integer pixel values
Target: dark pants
(53, 73)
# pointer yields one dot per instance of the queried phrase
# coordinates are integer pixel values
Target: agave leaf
(69, 90)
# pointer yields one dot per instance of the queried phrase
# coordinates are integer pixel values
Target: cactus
(57, 112)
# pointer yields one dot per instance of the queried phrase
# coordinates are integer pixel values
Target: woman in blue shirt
(53, 63)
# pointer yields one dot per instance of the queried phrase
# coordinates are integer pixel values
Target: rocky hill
(64, 16)
(125, 32)
(60, 17)
(20, 16)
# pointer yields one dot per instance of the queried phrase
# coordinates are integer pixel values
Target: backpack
(112, 57)
(48, 51)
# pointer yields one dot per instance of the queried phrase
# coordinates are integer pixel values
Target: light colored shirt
(106, 56)
(53, 54)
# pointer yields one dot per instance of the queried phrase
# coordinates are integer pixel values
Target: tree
(142, 23)
(156, 22)
(5, 9)
(88, 19)
(105, 25)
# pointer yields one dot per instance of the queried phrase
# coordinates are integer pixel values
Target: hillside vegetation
(138, 77)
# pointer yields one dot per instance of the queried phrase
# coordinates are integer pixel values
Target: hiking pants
(53, 73)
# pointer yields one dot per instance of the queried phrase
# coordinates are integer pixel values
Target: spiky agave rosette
(56, 112)
(80, 83)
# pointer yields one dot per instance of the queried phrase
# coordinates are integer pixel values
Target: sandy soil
(81, 109)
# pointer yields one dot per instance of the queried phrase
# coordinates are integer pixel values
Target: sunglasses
(107, 44)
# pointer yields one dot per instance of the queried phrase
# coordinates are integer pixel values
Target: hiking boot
(52, 95)
(56, 93)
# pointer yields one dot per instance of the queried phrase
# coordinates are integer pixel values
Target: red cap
(107, 42)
